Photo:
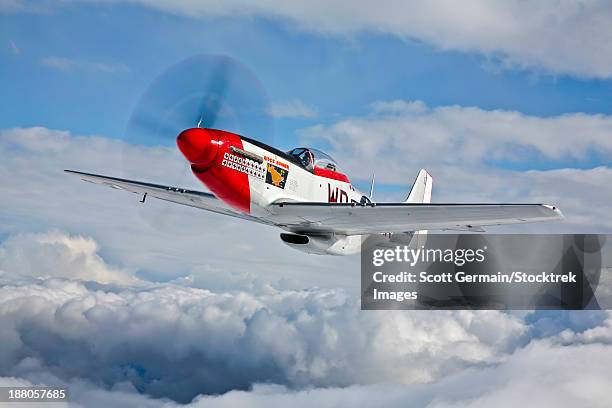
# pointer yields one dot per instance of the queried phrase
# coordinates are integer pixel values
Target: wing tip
(556, 211)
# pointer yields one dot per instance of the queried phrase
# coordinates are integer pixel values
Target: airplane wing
(192, 198)
(355, 219)
(346, 218)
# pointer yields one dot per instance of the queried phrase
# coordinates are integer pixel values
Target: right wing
(355, 219)
(192, 198)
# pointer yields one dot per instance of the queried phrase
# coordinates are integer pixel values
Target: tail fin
(421, 189)
(420, 193)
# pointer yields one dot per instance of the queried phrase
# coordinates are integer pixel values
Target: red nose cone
(198, 146)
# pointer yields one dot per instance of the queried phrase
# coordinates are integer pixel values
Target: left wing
(355, 219)
(192, 198)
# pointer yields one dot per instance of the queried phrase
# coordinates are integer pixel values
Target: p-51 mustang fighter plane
(304, 193)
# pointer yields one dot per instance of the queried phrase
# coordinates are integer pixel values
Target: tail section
(419, 194)
(421, 189)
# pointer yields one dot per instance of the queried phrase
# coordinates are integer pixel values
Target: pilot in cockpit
(309, 158)
(305, 157)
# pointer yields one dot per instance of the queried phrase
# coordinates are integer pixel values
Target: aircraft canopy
(309, 158)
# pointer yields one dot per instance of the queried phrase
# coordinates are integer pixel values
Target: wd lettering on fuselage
(336, 195)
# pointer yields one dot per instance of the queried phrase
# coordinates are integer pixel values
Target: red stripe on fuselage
(330, 174)
(227, 184)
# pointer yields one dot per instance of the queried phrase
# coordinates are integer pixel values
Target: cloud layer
(478, 155)
(560, 37)
(151, 344)
(177, 342)
(445, 133)
(57, 255)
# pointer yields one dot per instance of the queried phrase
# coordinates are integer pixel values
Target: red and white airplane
(304, 193)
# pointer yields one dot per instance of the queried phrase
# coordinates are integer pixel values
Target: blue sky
(338, 75)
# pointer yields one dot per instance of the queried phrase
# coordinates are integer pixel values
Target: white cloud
(58, 255)
(177, 342)
(315, 344)
(558, 37)
(561, 37)
(293, 108)
(460, 146)
(473, 134)
(68, 64)
(601, 333)
(541, 374)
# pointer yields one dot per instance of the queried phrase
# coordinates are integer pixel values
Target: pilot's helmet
(309, 160)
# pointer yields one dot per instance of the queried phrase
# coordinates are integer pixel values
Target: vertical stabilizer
(421, 189)
(420, 193)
